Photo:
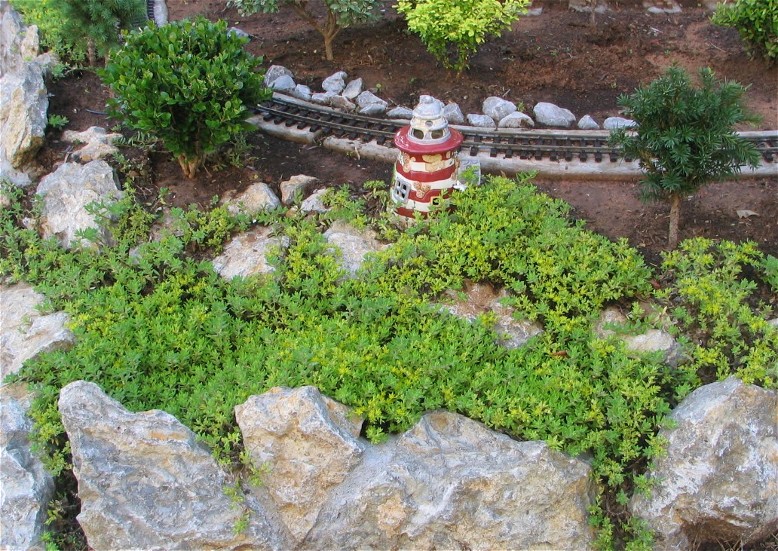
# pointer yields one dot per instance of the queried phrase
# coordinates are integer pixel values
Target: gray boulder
(274, 72)
(284, 84)
(352, 244)
(159, 12)
(587, 123)
(548, 114)
(352, 89)
(314, 202)
(652, 340)
(296, 185)
(371, 105)
(310, 443)
(23, 119)
(96, 143)
(257, 197)
(66, 194)
(323, 98)
(247, 254)
(24, 331)
(146, 483)
(612, 123)
(400, 112)
(516, 120)
(301, 91)
(25, 486)
(498, 108)
(481, 121)
(718, 481)
(449, 483)
(335, 83)
(342, 103)
(453, 113)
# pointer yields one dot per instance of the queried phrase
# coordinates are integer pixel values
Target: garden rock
(653, 340)
(66, 194)
(718, 481)
(335, 83)
(274, 72)
(353, 89)
(481, 121)
(453, 113)
(257, 197)
(400, 112)
(247, 254)
(371, 105)
(284, 84)
(612, 123)
(342, 103)
(240, 33)
(311, 444)
(323, 98)
(516, 120)
(25, 485)
(548, 114)
(303, 92)
(23, 119)
(295, 185)
(98, 144)
(585, 6)
(24, 331)
(450, 483)
(160, 13)
(19, 44)
(587, 123)
(314, 202)
(660, 7)
(146, 483)
(353, 244)
(497, 108)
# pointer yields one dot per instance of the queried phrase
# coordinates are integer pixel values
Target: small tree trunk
(189, 166)
(593, 13)
(675, 216)
(90, 52)
(328, 47)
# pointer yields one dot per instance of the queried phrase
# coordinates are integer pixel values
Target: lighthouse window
(436, 134)
(418, 134)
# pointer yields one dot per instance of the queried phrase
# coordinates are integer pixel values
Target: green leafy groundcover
(157, 328)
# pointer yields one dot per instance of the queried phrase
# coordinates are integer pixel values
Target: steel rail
(553, 145)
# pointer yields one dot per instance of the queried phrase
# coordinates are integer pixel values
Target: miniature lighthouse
(426, 170)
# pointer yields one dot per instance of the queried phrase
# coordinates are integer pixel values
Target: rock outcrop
(25, 486)
(247, 254)
(718, 481)
(24, 331)
(145, 482)
(68, 192)
(352, 245)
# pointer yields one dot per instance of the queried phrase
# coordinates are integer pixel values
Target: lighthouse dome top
(428, 125)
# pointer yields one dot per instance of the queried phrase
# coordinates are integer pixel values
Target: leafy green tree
(757, 23)
(99, 22)
(685, 136)
(188, 83)
(453, 31)
(341, 14)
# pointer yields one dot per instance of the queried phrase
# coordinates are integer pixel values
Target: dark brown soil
(556, 56)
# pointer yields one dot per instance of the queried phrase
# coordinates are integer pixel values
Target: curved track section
(553, 153)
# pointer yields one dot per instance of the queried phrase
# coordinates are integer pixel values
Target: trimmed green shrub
(189, 83)
(685, 136)
(757, 23)
(453, 31)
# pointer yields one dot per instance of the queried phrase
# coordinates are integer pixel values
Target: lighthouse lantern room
(426, 170)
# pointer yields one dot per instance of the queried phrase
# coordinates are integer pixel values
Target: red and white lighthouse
(427, 167)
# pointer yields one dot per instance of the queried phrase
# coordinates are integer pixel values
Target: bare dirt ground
(555, 56)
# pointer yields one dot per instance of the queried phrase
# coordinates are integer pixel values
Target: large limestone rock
(146, 483)
(66, 194)
(352, 244)
(247, 254)
(253, 199)
(24, 332)
(23, 119)
(25, 486)
(498, 108)
(449, 483)
(548, 114)
(310, 444)
(95, 143)
(718, 481)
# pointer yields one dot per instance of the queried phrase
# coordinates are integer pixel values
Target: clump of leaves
(685, 136)
(190, 83)
(453, 31)
(756, 21)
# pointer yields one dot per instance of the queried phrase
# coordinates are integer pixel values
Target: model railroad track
(580, 145)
